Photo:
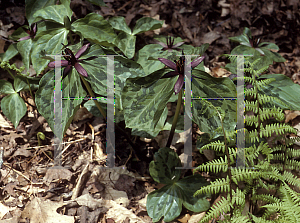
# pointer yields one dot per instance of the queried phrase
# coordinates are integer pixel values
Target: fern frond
(238, 197)
(251, 106)
(217, 146)
(215, 187)
(291, 179)
(216, 166)
(222, 206)
(278, 128)
(244, 174)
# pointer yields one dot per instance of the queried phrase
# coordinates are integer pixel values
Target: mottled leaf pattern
(167, 201)
(206, 117)
(94, 28)
(14, 108)
(146, 24)
(32, 6)
(55, 13)
(71, 87)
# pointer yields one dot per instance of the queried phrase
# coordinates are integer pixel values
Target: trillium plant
(145, 81)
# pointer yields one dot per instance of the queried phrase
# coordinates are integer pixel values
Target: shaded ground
(25, 180)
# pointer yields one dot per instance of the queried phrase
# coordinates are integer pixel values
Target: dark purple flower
(169, 46)
(178, 68)
(73, 61)
(31, 32)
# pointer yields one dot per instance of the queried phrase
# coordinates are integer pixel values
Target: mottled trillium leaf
(14, 108)
(71, 87)
(10, 52)
(167, 202)
(55, 13)
(95, 29)
(146, 24)
(119, 23)
(204, 115)
(32, 6)
(126, 43)
(284, 89)
(144, 100)
(49, 42)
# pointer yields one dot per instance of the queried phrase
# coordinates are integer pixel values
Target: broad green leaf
(48, 42)
(189, 185)
(97, 2)
(19, 84)
(94, 28)
(126, 43)
(55, 13)
(146, 24)
(152, 131)
(267, 45)
(242, 39)
(273, 56)
(206, 115)
(6, 87)
(14, 108)
(163, 168)
(148, 56)
(97, 70)
(165, 202)
(10, 52)
(119, 23)
(284, 89)
(44, 98)
(32, 6)
(143, 106)
(24, 48)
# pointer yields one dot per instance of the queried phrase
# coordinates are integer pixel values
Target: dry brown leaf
(57, 173)
(39, 210)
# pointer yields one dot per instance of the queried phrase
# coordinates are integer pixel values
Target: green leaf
(206, 115)
(144, 105)
(163, 168)
(44, 98)
(94, 28)
(32, 6)
(6, 87)
(119, 23)
(148, 57)
(284, 89)
(14, 108)
(126, 43)
(19, 84)
(168, 200)
(55, 13)
(10, 52)
(146, 24)
(189, 185)
(97, 2)
(48, 42)
(24, 48)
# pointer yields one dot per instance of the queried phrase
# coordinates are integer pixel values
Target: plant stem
(71, 38)
(175, 118)
(104, 116)
(30, 90)
(93, 95)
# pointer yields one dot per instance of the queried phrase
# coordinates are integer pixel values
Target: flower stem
(175, 119)
(71, 38)
(93, 95)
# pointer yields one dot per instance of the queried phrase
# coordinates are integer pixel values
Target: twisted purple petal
(82, 50)
(170, 74)
(197, 61)
(177, 44)
(24, 38)
(67, 70)
(168, 63)
(178, 84)
(80, 69)
(64, 63)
